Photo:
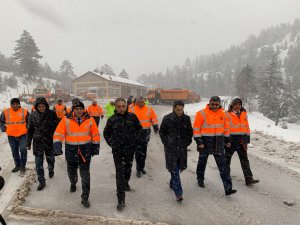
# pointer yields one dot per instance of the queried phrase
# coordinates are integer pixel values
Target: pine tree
(26, 54)
(245, 84)
(106, 69)
(270, 91)
(67, 74)
(124, 74)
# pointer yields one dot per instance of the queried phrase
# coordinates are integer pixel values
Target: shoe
(138, 174)
(16, 169)
(41, 186)
(22, 171)
(85, 202)
(230, 192)
(201, 184)
(250, 182)
(121, 205)
(179, 198)
(144, 171)
(73, 188)
(127, 187)
(51, 174)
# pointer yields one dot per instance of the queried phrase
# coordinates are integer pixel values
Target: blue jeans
(175, 182)
(18, 149)
(39, 166)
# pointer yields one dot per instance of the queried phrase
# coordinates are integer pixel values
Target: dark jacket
(123, 129)
(176, 134)
(40, 129)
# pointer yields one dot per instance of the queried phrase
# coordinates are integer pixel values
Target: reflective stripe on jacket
(146, 116)
(15, 121)
(238, 125)
(96, 110)
(209, 123)
(75, 134)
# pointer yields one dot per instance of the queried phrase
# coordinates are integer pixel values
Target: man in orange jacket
(95, 111)
(147, 117)
(211, 130)
(239, 138)
(60, 109)
(13, 121)
(82, 141)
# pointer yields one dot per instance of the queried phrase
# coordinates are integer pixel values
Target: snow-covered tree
(124, 74)
(270, 89)
(106, 69)
(26, 54)
(67, 74)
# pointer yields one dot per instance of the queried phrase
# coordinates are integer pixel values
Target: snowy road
(152, 200)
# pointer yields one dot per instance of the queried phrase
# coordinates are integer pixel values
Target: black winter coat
(40, 130)
(176, 134)
(123, 129)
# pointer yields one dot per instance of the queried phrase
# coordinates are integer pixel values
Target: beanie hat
(236, 100)
(79, 105)
(178, 102)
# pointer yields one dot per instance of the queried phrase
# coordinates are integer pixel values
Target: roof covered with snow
(115, 79)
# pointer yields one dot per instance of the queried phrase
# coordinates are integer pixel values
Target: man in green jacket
(110, 108)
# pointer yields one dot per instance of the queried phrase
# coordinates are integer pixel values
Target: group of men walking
(127, 132)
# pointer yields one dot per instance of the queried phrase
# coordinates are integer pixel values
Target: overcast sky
(139, 35)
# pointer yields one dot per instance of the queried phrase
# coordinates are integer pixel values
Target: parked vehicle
(164, 96)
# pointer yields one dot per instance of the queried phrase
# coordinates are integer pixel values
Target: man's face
(237, 107)
(78, 111)
(112, 102)
(140, 103)
(59, 103)
(214, 106)
(94, 103)
(41, 108)
(178, 109)
(121, 107)
(15, 106)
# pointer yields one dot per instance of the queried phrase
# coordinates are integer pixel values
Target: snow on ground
(23, 87)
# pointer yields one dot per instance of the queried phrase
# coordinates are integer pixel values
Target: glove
(156, 129)
(200, 148)
(102, 116)
(3, 128)
(95, 149)
(57, 146)
(28, 146)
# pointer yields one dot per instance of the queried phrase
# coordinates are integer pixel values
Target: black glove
(95, 149)
(102, 116)
(156, 129)
(28, 146)
(248, 139)
(3, 128)
(57, 146)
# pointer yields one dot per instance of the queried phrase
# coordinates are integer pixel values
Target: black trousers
(123, 159)
(97, 120)
(84, 169)
(243, 156)
(141, 152)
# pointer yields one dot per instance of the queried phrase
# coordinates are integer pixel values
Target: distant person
(239, 138)
(211, 131)
(82, 141)
(95, 111)
(60, 109)
(129, 100)
(13, 121)
(176, 134)
(110, 108)
(147, 118)
(122, 133)
(41, 126)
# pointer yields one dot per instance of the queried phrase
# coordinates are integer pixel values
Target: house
(107, 86)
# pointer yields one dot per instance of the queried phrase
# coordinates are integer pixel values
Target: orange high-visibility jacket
(60, 110)
(74, 134)
(146, 116)
(209, 123)
(15, 121)
(96, 110)
(238, 125)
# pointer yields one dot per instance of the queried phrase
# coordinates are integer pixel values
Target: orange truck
(164, 96)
